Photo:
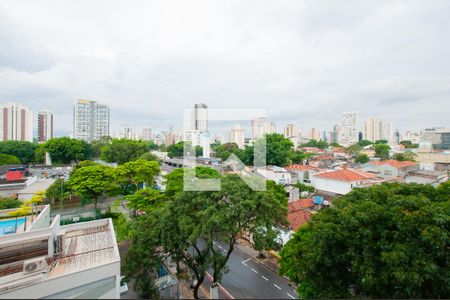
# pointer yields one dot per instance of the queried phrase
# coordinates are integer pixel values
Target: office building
(45, 126)
(439, 137)
(349, 129)
(17, 122)
(261, 127)
(237, 135)
(90, 120)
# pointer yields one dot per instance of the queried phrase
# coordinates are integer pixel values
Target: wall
(42, 221)
(338, 187)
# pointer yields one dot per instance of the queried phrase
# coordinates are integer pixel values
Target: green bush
(8, 203)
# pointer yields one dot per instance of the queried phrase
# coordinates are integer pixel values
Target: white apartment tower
(349, 128)
(45, 126)
(200, 117)
(17, 122)
(261, 127)
(372, 130)
(237, 135)
(90, 120)
(146, 134)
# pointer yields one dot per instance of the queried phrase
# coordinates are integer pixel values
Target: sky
(305, 62)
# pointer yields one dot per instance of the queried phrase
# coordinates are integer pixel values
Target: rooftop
(394, 163)
(298, 213)
(40, 185)
(348, 175)
(297, 167)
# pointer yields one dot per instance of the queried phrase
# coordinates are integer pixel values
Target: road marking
(265, 278)
(224, 250)
(290, 296)
(277, 286)
(254, 271)
(244, 262)
(220, 247)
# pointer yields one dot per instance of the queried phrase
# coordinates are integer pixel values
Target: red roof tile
(300, 203)
(346, 175)
(322, 157)
(298, 218)
(300, 168)
(394, 163)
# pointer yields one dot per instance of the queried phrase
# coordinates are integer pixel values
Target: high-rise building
(17, 122)
(146, 134)
(90, 120)
(237, 135)
(129, 133)
(261, 127)
(200, 117)
(349, 129)
(290, 131)
(335, 134)
(45, 126)
(386, 131)
(313, 134)
(372, 130)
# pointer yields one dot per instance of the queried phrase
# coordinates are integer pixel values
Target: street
(250, 279)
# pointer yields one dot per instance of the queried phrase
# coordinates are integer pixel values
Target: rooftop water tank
(318, 200)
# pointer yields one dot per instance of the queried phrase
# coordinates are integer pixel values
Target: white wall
(334, 186)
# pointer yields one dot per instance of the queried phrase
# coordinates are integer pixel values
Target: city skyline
(300, 62)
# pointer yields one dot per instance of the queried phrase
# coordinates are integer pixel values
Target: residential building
(261, 127)
(386, 132)
(372, 130)
(303, 173)
(45, 260)
(299, 213)
(17, 122)
(91, 120)
(313, 134)
(146, 134)
(237, 135)
(335, 134)
(343, 181)
(349, 129)
(129, 133)
(275, 173)
(390, 169)
(45, 126)
(290, 131)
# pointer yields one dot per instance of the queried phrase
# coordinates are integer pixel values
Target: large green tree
(315, 143)
(98, 145)
(362, 158)
(133, 174)
(145, 200)
(177, 150)
(6, 159)
(386, 241)
(59, 190)
(191, 221)
(123, 150)
(65, 150)
(278, 149)
(382, 151)
(93, 181)
(24, 151)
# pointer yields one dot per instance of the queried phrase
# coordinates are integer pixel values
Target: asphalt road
(249, 279)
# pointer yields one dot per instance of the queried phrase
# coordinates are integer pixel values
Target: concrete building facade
(91, 120)
(16, 122)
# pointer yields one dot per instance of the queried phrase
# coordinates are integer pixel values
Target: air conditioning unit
(35, 265)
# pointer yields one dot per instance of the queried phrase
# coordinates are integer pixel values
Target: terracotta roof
(300, 168)
(322, 157)
(394, 163)
(300, 203)
(346, 175)
(298, 218)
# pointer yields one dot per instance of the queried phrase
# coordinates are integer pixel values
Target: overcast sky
(304, 61)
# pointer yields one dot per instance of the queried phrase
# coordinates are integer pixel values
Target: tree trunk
(197, 286)
(95, 202)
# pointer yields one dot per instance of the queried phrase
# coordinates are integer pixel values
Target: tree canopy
(278, 150)
(387, 241)
(177, 150)
(123, 150)
(6, 159)
(186, 226)
(65, 150)
(24, 151)
(136, 173)
(93, 181)
(315, 143)
(362, 158)
(404, 156)
(382, 151)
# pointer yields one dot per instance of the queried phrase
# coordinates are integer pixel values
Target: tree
(382, 151)
(334, 144)
(6, 159)
(98, 145)
(387, 241)
(24, 151)
(304, 188)
(381, 141)
(354, 149)
(65, 150)
(39, 154)
(93, 181)
(152, 145)
(174, 180)
(7, 203)
(145, 200)
(149, 157)
(362, 158)
(136, 173)
(278, 149)
(364, 143)
(188, 225)
(58, 191)
(298, 157)
(123, 150)
(409, 144)
(177, 150)
(404, 156)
